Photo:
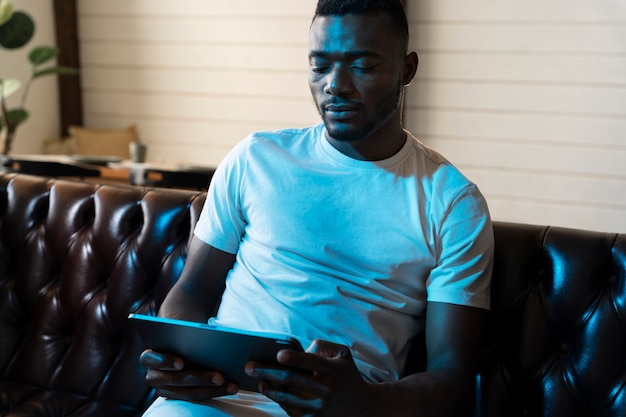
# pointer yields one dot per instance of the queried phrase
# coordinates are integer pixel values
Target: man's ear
(410, 68)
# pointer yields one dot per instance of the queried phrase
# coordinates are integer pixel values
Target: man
(344, 235)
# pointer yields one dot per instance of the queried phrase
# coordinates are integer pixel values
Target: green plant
(16, 30)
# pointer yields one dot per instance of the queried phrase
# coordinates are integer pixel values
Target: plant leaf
(9, 86)
(17, 31)
(60, 69)
(6, 11)
(42, 54)
(15, 117)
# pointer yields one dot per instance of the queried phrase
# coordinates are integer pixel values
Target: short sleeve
(465, 254)
(222, 223)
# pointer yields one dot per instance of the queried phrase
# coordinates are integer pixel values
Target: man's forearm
(183, 304)
(439, 392)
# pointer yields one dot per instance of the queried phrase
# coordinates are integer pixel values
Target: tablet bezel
(207, 346)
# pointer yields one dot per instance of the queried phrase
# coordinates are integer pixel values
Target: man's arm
(199, 289)
(330, 381)
(454, 336)
(194, 297)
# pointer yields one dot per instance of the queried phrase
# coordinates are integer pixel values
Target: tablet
(213, 347)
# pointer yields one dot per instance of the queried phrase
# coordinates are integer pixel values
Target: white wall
(195, 79)
(528, 97)
(43, 99)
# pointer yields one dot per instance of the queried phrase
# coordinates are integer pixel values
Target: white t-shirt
(329, 247)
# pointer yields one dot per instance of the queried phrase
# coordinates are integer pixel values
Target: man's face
(356, 74)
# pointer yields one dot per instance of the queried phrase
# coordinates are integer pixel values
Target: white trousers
(243, 404)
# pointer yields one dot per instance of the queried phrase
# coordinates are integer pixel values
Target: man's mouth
(340, 111)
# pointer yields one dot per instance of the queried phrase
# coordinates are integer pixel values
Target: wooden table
(107, 170)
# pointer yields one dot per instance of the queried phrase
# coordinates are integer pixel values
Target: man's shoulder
(434, 162)
(286, 135)
(441, 176)
(428, 153)
(271, 144)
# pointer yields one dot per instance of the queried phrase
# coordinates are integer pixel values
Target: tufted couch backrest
(557, 342)
(75, 259)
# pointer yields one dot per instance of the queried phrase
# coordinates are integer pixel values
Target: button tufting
(564, 348)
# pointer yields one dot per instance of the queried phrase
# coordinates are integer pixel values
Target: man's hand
(168, 375)
(324, 381)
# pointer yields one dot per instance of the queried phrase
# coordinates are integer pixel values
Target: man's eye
(318, 65)
(364, 66)
(319, 68)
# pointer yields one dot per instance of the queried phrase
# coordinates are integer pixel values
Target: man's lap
(246, 404)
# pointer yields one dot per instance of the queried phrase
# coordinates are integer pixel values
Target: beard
(384, 110)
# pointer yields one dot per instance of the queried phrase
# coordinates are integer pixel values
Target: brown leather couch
(76, 258)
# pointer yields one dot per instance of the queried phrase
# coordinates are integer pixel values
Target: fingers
(294, 403)
(296, 391)
(281, 376)
(163, 361)
(191, 378)
(306, 383)
(189, 385)
(320, 357)
(299, 360)
(167, 375)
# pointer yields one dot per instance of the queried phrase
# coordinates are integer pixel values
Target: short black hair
(393, 8)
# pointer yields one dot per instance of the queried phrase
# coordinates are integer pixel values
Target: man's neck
(376, 147)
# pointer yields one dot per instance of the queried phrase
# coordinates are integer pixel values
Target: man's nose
(339, 81)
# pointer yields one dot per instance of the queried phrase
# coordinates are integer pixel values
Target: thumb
(329, 350)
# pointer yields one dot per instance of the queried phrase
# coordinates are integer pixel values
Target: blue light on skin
(358, 69)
